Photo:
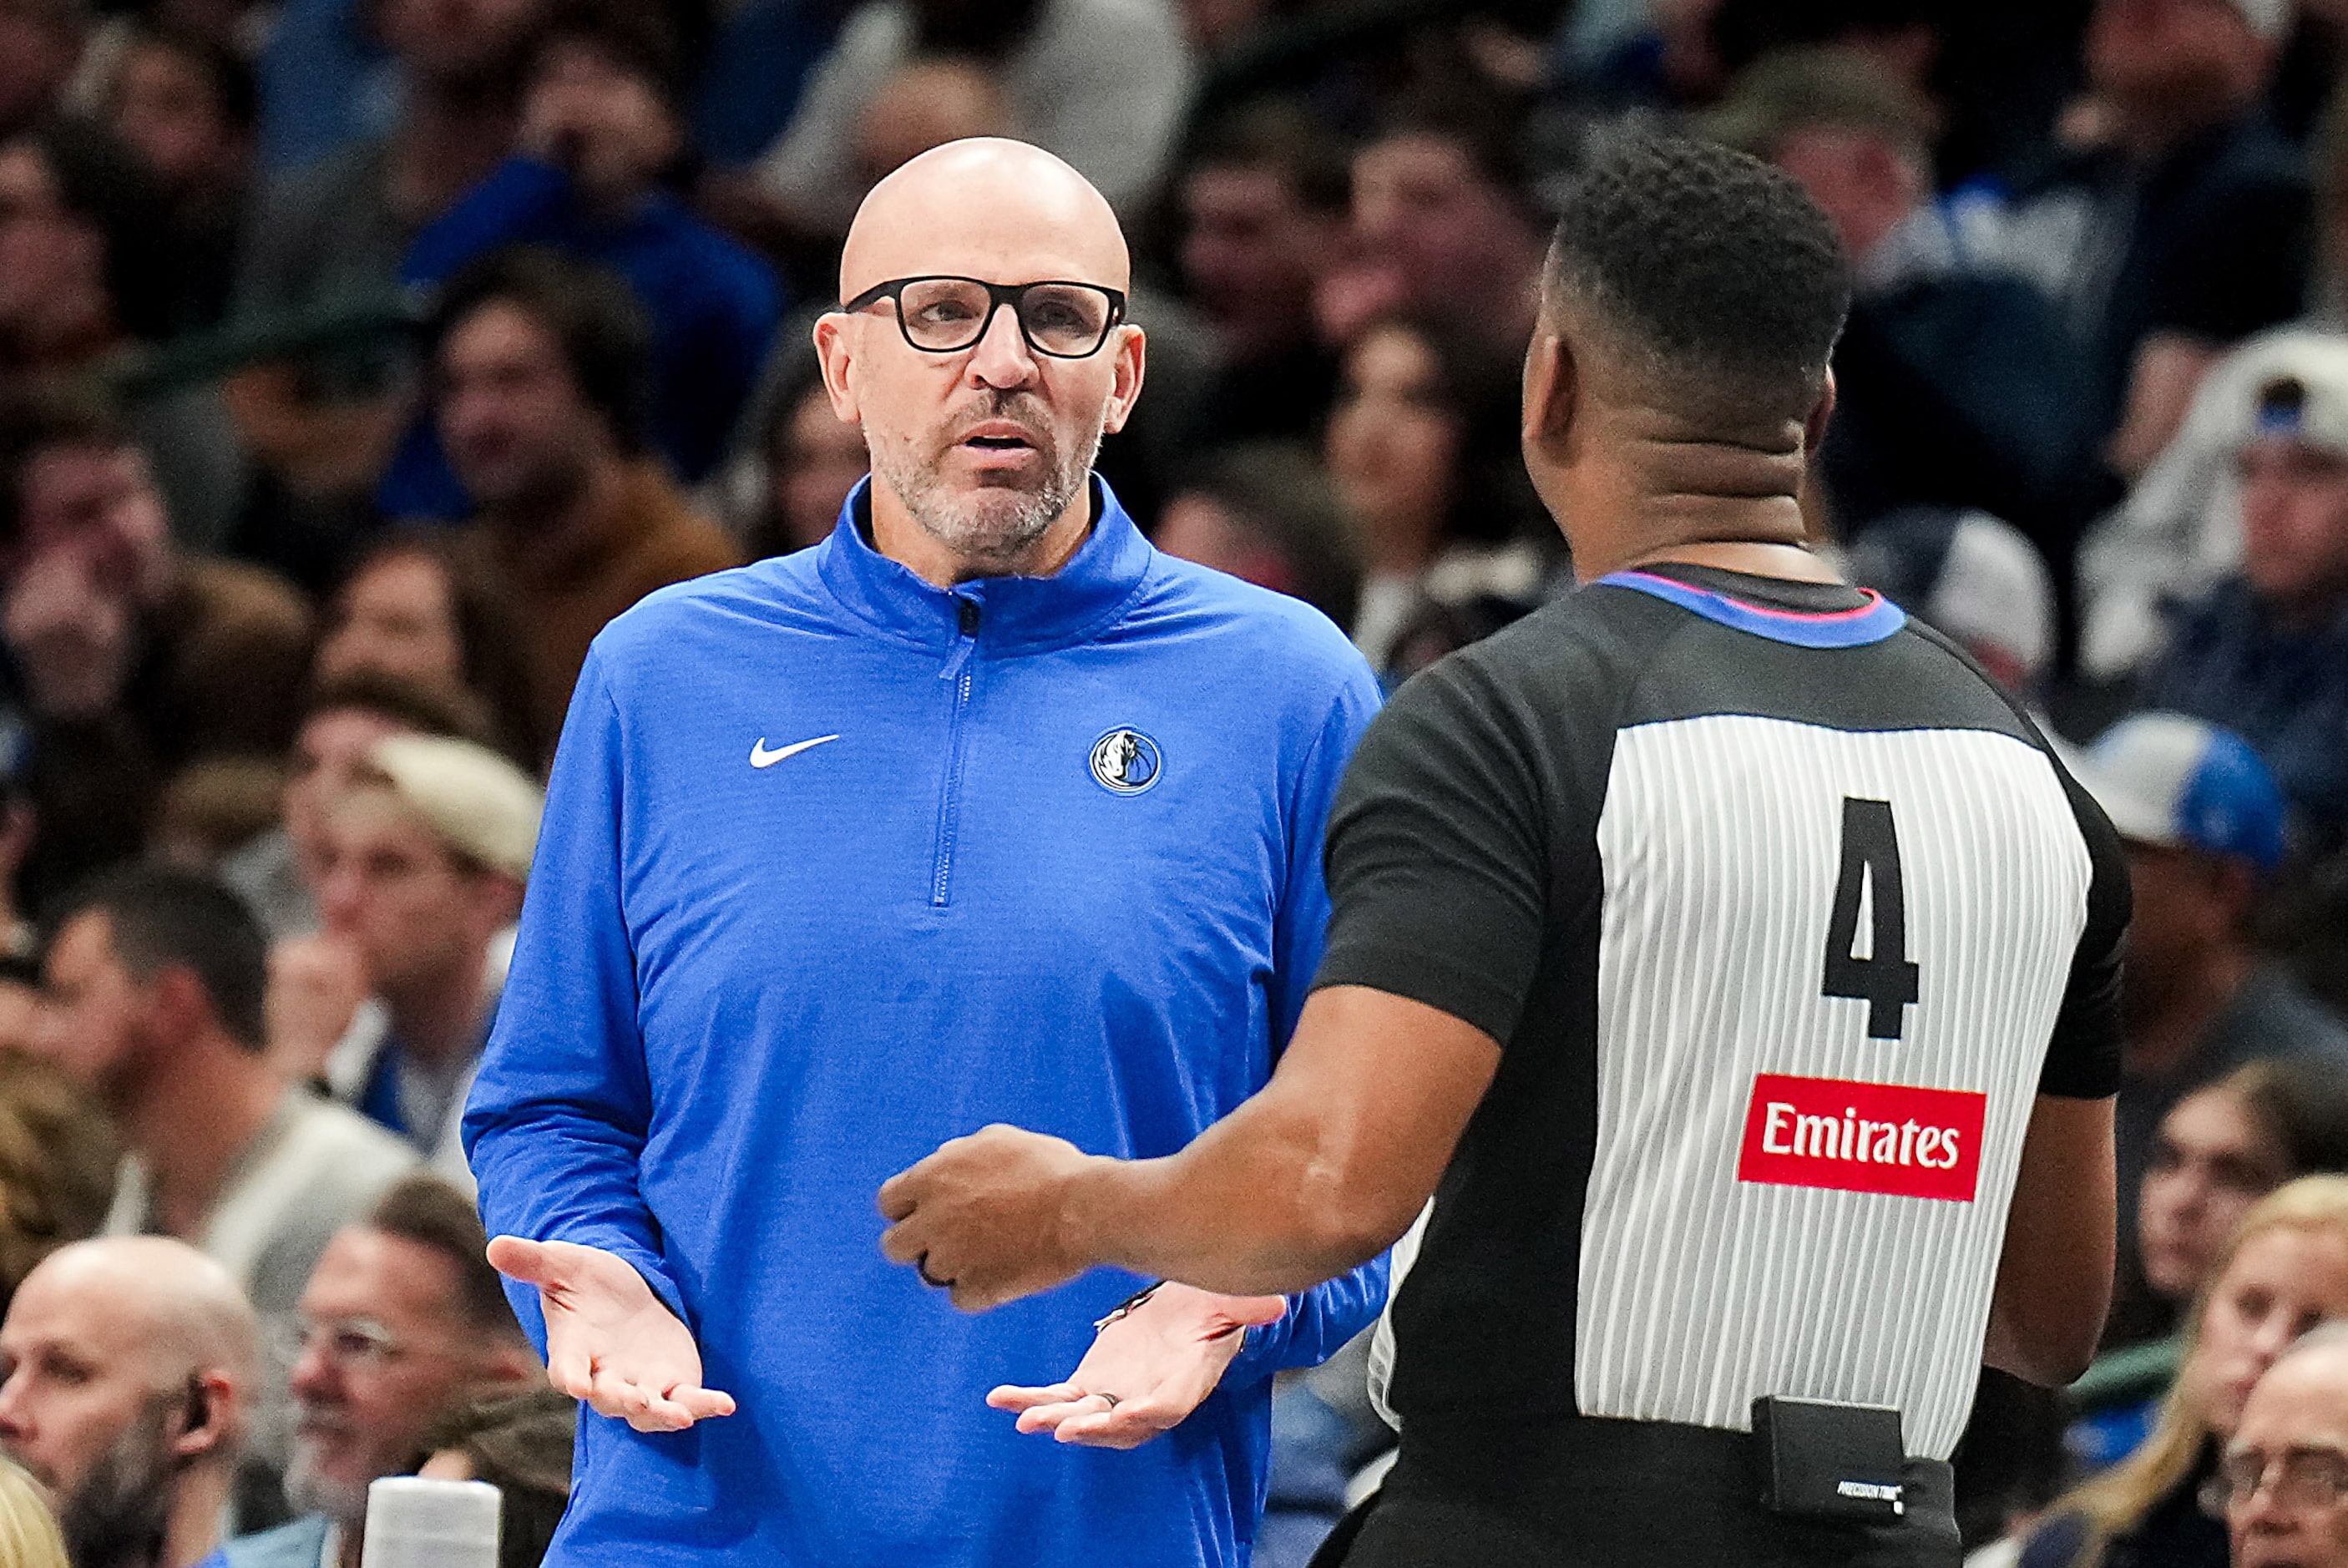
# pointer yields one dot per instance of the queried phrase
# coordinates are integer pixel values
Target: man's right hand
(609, 1339)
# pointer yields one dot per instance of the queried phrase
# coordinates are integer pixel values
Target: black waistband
(1665, 1489)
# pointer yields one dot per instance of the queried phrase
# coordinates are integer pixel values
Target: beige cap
(481, 805)
(1794, 89)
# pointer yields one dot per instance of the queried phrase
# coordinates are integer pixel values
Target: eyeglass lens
(2309, 1479)
(943, 315)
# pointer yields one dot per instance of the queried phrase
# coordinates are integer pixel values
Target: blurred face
(164, 108)
(816, 462)
(1251, 255)
(2189, 53)
(328, 755)
(38, 49)
(100, 505)
(80, 1377)
(457, 40)
(2283, 1282)
(387, 1352)
(517, 430)
(388, 885)
(576, 84)
(51, 265)
(2295, 525)
(2187, 906)
(1860, 179)
(2295, 1432)
(93, 1023)
(1195, 526)
(2210, 1161)
(1394, 440)
(394, 617)
(1421, 199)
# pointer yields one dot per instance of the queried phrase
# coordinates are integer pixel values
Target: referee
(1734, 965)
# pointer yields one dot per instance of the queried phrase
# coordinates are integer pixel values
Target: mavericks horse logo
(1126, 762)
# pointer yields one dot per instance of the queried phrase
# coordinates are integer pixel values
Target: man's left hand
(1149, 1368)
(981, 1218)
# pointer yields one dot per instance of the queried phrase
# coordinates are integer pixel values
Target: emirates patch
(1891, 1138)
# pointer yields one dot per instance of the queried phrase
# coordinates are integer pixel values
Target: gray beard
(120, 1513)
(996, 526)
(307, 1491)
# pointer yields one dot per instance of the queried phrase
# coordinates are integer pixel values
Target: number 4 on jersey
(1886, 979)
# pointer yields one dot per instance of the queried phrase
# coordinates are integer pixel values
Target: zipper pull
(966, 616)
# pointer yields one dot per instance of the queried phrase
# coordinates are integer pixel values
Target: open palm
(609, 1339)
(1146, 1371)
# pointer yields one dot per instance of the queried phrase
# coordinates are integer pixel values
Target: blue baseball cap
(2166, 779)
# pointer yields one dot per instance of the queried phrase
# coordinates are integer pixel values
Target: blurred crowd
(360, 359)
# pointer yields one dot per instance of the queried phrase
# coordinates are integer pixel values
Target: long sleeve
(1320, 1320)
(522, 202)
(556, 1124)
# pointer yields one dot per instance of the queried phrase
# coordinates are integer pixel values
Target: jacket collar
(1014, 613)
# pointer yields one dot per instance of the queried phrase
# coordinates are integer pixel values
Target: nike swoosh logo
(762, 757)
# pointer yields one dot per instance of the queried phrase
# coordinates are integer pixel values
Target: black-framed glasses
(2309, 1479)
(1060, 319)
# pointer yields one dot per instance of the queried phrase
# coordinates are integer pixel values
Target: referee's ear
(1552, 393)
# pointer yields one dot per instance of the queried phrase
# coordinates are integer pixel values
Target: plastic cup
(412, 1522)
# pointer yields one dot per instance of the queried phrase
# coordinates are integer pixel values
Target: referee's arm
(2054, 1279)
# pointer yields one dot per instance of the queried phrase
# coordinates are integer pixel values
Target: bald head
(177, 1305)
(984, 208)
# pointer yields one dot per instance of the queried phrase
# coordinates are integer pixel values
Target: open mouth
(998, 443)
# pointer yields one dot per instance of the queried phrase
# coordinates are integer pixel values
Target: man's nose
(1002, 358)
(15, 1417)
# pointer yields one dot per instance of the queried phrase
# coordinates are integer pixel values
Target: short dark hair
(42, 418)
(236, 90)
(159, 918)
(2301, 1105)
(425, 708)
(101, 182)
(1283, 136)
(632, 36)
(428, 1212)
(1708, 262)
(597, 320)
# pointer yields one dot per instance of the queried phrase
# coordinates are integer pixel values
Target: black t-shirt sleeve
(1437, 855)
(2083, 1059)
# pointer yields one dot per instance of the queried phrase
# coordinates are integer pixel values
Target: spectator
(40, 48)
(327, 242)
(521, 1444)
(2297, 1419)
(1100, 82)
(57, 1160)
(29, 1537)
(85, 277)
(1267, 514)
(1443, 229)
(423, 876)
(2219, 1150)
(186, 103)
(926, 103)
(1264, 208)
(133, 653)
(2184, 228)
(408, 609)
(155, 983)
(806, 463)
(133, 1372)
(402, 1323)
(2285, 1271)
(539, 368)
(2203, 825)
(212, 808)
(1972, 578)
(601, 130)
(1423, 446)
(2266, 651)
(277, 874)
(1954, 387)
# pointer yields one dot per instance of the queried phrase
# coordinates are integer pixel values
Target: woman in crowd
(1423, 446)
(2285, 1271)
(410, 611)
(521, 1445)
(29, 1537)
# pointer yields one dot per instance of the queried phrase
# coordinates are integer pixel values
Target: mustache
(1019, 406)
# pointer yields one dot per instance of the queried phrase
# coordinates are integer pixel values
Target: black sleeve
(2083, 1059)
(1437, 854)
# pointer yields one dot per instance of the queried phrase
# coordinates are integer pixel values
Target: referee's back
(1797, 940)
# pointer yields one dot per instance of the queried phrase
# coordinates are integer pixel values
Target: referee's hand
(609, 1339)
(979, 1219)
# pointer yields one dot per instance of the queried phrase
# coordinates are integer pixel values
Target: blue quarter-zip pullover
(837, 865)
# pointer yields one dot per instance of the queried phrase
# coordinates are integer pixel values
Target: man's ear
(206, 1410)
(832, 352)
(1814, 428)
(1132, 354)
(1553, 392)
(178, 1001)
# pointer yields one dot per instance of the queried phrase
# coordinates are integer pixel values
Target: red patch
(1863, 1138)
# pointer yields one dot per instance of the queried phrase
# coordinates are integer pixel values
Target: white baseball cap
(474, 800)
(2167, 780)
(2270, 19)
